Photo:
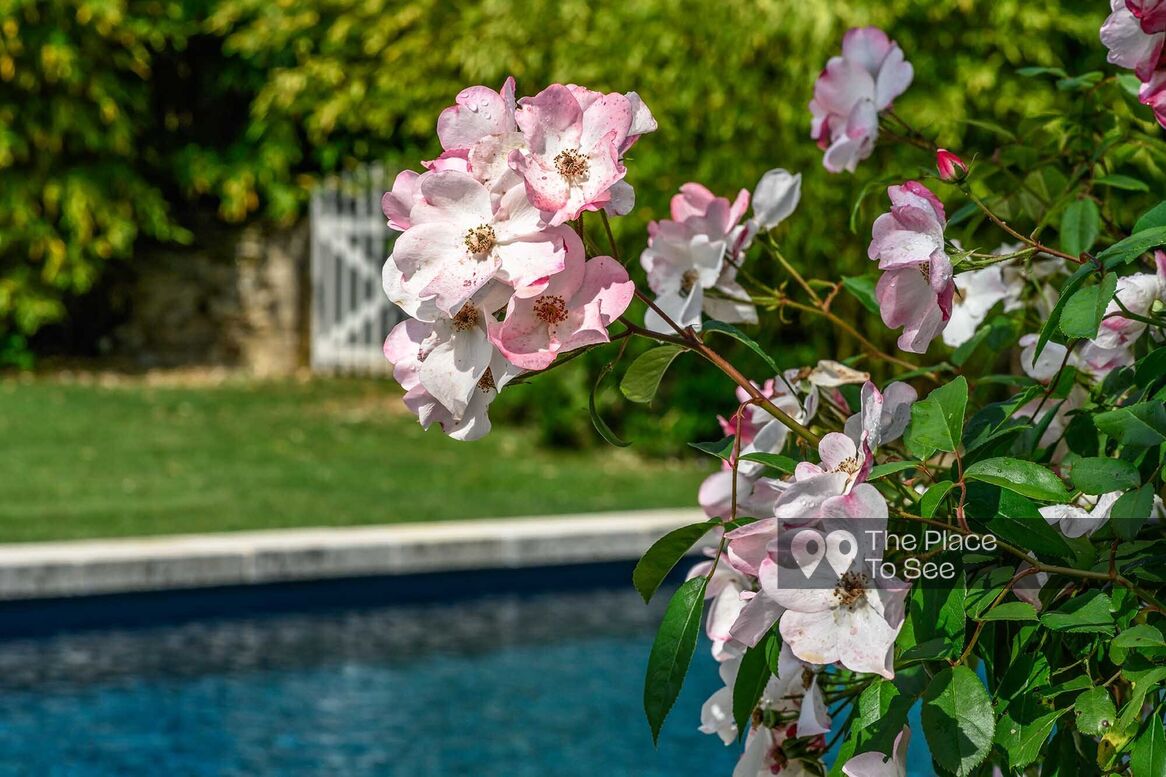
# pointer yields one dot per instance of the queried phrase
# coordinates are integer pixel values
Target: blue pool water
(505, 686)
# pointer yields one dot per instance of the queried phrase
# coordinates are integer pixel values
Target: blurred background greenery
(124, 123)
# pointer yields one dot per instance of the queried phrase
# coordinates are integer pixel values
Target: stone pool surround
(92, 567)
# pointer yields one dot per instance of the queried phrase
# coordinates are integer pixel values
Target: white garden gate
(350, 240)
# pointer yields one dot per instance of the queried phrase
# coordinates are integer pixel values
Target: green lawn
(90, 461)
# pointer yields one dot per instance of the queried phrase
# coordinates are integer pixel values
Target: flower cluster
(1134, 34)
(855, 622)
(493, 278)
(693, 258)
(850, 93)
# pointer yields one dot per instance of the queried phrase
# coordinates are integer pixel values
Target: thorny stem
(1022, 238)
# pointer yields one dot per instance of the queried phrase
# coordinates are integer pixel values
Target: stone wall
(237, 298)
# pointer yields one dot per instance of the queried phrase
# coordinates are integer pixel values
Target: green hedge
(117, 115)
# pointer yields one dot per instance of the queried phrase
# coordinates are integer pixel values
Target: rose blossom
(851, 91)
(572, 311)
(459, 241)
(573, 152)
(1134, 33)
(916, 291)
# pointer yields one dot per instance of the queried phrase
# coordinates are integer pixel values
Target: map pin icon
(807, 559)
(841, 549)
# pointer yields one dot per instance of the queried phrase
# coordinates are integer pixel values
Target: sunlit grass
(132, 459)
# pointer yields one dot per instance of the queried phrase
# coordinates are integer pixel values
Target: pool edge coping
(78, 568)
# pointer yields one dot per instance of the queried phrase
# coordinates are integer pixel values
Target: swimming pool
(509, 685)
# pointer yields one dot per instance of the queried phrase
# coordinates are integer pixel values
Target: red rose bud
(951, 168)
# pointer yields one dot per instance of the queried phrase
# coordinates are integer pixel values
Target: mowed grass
(132, 459)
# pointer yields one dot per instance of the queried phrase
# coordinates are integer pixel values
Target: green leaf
(1125, 251)
(1131, 511)
(1029, 72)
(672, 652)
(862, 288)
(1144, 635)
(937, 421)
(665, 554)
(1143, 424)
(722, 449)
(1154, 217)
(1026, 478)
(1083, 81)
(1082, 314)
(1070, 286)
(642, 379)
(1080, 225)
(1095, 711)
(783, 464)
(1018, 521)
(737, 334)
(958, 720)
(1010, 611)
(1023, 730)
(1148, 756)
(1125, 182)
(752, 676)
(1088, 613)
(890, 468)
(1101, 475)
(596, 420)
(930, 501)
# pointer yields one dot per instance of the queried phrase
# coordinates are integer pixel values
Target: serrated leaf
(1148, 755)
(937, 421)
(1088, 613)
(1131, 511)
(1144, 635)
(1100, 475)
(1067, 289)
(672, 652)
(738, 335)
(1016, 520)
(958, 720)
(642, 379)
(1023, 730)
(1095, 711)
(665, 554)
(1142, 424)
(1083, 313)
(1080, 225)
(1026, 478)
(1125, 251)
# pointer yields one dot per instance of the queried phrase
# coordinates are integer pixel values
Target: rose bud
(951, 168)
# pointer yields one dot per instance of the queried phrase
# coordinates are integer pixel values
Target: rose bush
(981, 535)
